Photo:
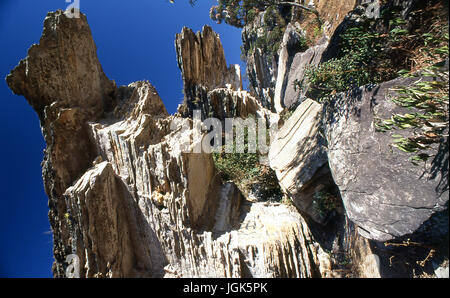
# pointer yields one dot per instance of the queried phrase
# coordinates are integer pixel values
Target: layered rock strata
(125, 196)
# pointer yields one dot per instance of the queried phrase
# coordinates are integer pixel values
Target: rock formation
(298, 153)
(130, 197)
(369, 173)
(124, 197)
(202, 60)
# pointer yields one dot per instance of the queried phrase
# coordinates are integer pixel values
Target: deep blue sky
(135, 41)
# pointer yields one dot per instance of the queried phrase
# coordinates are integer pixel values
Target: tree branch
(314, 11)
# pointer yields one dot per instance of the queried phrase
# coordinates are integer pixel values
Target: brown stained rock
(331, 13)
(202, 60)
(63, 68)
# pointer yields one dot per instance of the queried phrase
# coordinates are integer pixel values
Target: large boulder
(383, 192)
(298, 156)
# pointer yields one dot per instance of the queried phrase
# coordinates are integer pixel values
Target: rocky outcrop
(261, 67)
(222, 103)
(203, 228)
(298, 156)
(291, 88)
(130, 196)
(126, 194)
(289, 46)
(209, 86)
(218, 94)
(64, 82)
(38, 78)
(201, 60)
(383, 193)
(296, 85)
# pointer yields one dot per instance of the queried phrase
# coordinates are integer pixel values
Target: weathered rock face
(64, 82)
(269, 74)
(126, 197)
(298, 156)
(292, 61)
(105, 227)
(38, 78)
(197, 226)
(261, 67)
(383, 192)
(209, 85)
(288, 48)
(214, 91)
(292, 94)
(222, 103)
(129, 198)
(202, 61)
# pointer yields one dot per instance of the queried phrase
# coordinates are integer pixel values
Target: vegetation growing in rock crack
(248, 172)
(369, 55)
(324, 202)
(364, 59)
(429, 102)
(427, 98)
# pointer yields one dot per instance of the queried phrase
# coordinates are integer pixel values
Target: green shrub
(428, 100)
(369, 57)
(247, 172)
(324, 202)
(363, 60)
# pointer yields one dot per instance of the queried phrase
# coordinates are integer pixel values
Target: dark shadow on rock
(146, 244)
(440, 165)
(413, 255)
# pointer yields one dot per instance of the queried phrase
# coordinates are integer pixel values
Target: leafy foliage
(372, 52)
(324, 202)
(274, 25)
(428, 97)
(247, 172)
(240, 12)
(363, 60)
(235, 12)
(430, 101)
